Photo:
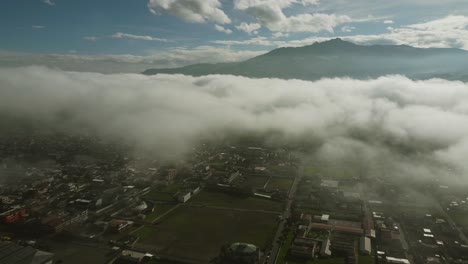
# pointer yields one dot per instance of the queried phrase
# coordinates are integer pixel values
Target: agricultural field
(219, 199)
(201, 237)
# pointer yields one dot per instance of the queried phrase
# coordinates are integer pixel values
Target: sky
(131, 35)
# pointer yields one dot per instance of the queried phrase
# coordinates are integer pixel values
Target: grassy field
(461, 219)
(147, 232)
(77, 254)
(199, 232)
(159, 209)
(366, 260)
(283, 184)
(310, 171)
(315, 261)
(286, 171)
(255, 181)
(230, 201)
(329, 261)
(156, 195)
(285, 248)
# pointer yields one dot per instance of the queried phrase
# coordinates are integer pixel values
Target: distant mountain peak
(339, 58)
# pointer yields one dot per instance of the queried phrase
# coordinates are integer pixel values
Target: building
(119, 225)
(13, 215)
(329, 184)
(240, 253)
(184, 197)
(129, 256)
(303, 248)
(302, 251)
(392, 260)
(233, 177)
(325, 248)
(365, 246)
(11, 253)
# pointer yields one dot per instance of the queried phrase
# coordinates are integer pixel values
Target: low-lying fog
(391, 124)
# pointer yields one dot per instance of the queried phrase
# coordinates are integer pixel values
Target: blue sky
(178, 32)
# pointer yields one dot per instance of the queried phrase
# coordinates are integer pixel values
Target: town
(80, 199)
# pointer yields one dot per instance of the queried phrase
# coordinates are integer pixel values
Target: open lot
(198, 233)
(220, 199)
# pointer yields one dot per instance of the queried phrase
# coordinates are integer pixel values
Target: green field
(285, 171)
(330, 261)
(461, 219)
(255, 182)
(366, 260)
(147, 232)
(75, 253)
(283, 184)
(159, 209)
(281, 259)
(198, 233)
(315, 261)
(310, 171)
(220, 199)
(156, 195)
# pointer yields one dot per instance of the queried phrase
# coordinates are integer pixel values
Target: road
(286, 214)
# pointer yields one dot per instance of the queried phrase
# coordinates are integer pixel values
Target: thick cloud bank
(391, 125)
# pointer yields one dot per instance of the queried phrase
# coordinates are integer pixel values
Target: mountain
(338, 58)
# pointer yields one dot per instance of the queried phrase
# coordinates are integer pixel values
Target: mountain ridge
(339, 58)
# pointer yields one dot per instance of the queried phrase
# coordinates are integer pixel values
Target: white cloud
(195, 11)
(251, 28)
(120, 35)
(258, 41)
(309, 23)
(223, 29)
(166, 58)
(388, 21)
(270, 14)
(90, 38)
(279, 35)
(348, 29)
(37, 27)
(48, 2)
(341, 116)
(448, 32)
